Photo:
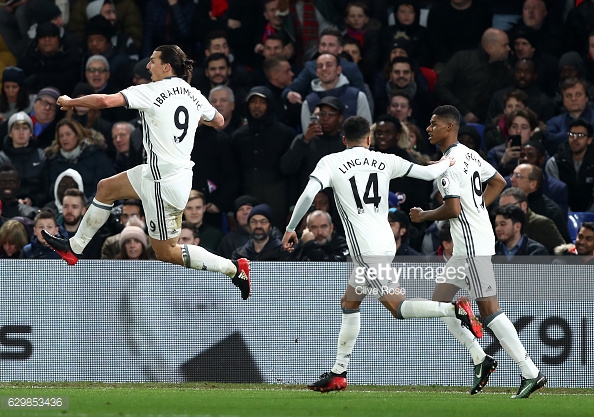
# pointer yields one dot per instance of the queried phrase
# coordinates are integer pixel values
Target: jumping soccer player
(170, 110)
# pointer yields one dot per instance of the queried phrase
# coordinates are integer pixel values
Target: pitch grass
(263, 400)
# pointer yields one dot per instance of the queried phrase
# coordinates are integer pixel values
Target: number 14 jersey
(361, 180)
(472, 232)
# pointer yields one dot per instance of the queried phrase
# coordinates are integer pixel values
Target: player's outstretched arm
(450, 209)
(430, 172)
(92, 101)
(494, 187)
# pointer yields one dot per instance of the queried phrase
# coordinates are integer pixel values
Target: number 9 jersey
(170, 110)
(472, 232)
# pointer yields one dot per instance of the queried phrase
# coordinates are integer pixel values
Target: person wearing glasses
(262, 245)
(574, 165)
(45, 116)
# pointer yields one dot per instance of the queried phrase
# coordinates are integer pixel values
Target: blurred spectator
(577, 27)
(45, 116)
(574, 165)
(498, 133)
(218, 72)
(273, 25)
(470, 137)
(262, 245)
(331, 82)
(141, 75)
(240, 234)
(402, 81)
(38, 248)
(133, 244)
(210, 236)
(537, 227)
(13, 238)
(319, 242)
(390, 137)
(456, 25)
(65, 181)
(166, 23)
(15, 20)
(278, 75)
(330, 42)
(524, 123)
(215, 174)
(189, 235)
(20, 149)
(89, 118)
(48, 62)
(582, 250)
(127, 14)
(74, 207)
(44, 11)
(223, 99)
(132, 215)
(9, 190)
(534, 153)
(529, 179)
(322, 137)
(14, 96)
(121, 42)
(511, 240)
(575, 102)
(217, 43)
(571, 65)
(524, 47)
(99, 34)
(353, 51)
(258, 147)
(81, 149)
(419, 147)
(401, 228)
(548, 35)
(127, 152)
(525, 77)
(485, 68)
(406, 26)
(360, 26)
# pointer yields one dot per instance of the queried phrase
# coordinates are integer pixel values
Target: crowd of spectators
(285, 74)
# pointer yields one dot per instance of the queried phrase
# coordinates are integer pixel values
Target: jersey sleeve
(208, 111)
(449, 183)
(321, 173)
(399, 167)
(139, 97)
(487, 171)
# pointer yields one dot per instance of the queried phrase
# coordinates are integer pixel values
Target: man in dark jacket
(400, 224)
(321, 138)
(258, 147)
(262, 245)
(574, 165)
(319, 242)
(511, 239)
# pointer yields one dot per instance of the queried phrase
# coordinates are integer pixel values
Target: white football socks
(197, 257)
(508, 337)
(464, 336)
(94, 218)
(425, 309)
(349, 331)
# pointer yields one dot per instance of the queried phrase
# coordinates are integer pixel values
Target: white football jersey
(170, 111)
(472, 232)
(361, 179)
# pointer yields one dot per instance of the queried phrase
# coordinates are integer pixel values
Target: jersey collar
(450, 147)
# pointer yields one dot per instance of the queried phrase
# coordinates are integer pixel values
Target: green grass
(247, 400)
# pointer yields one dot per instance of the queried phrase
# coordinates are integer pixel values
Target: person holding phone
(523, 126)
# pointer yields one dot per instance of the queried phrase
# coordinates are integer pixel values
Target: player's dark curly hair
(450, 113)
(355, 129)
(173, 55)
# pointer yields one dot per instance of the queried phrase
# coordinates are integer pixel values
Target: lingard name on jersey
(356, 162)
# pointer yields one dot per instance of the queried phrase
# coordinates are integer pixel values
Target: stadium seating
(575, 219)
